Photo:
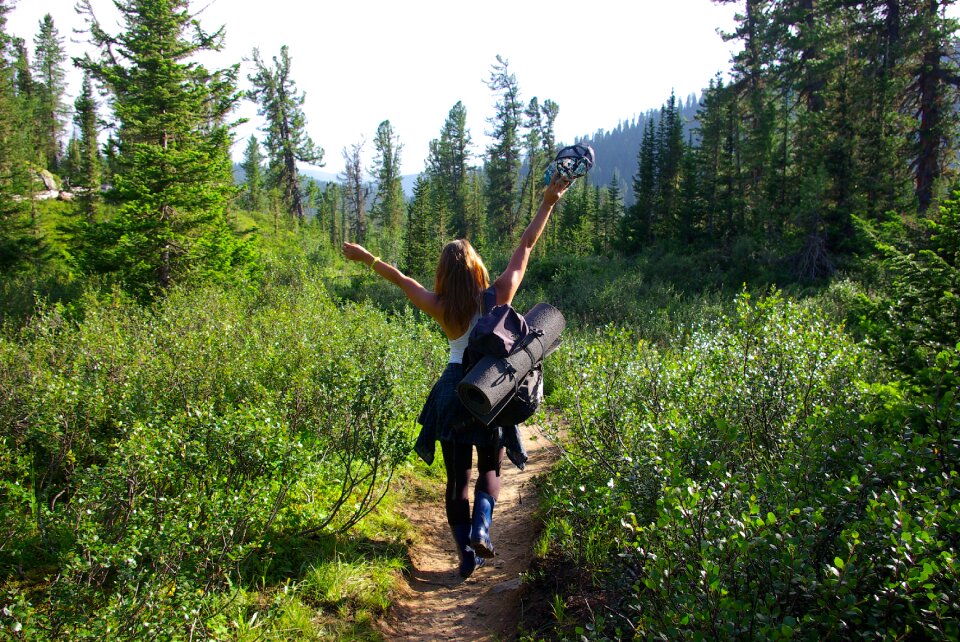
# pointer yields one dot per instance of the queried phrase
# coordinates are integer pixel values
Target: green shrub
(154, 453)
(758, 480)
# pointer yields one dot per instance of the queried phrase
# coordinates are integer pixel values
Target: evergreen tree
(475, 208)
(577, 216)
(503, 155)
(638, 222)
(287, 140)
(356, 191)
(609, 215)
(757, 30)
(173, 177)
(540, 149)
(26, 95)
(447, 166)
(15, 238)
(328, 212)
(710, 157)
(50, 76)
(254, 196)
(88, 169)
(422, 244)
(933, 95)
(690, 210)
(669, 156)
(388, 210)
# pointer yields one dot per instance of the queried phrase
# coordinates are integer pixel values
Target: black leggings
(458, 460)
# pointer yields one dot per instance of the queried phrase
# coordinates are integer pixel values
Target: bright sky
(364, 61)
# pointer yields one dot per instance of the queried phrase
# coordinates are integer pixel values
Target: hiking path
(434, 603)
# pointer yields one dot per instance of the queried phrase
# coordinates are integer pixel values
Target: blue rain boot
(482, 518)
(469, 561)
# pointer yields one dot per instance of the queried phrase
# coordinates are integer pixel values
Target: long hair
(461, 277)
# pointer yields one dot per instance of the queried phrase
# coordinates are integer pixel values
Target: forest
(208, 414)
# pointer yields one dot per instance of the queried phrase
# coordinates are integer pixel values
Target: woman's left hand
(356, 252)
(556, 188)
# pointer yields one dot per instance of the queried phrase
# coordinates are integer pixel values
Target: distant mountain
(617, 149)
(329, 177)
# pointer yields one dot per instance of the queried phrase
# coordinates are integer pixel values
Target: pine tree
(610, 214)
(16, 242)
(27, 96)
(710, 152)
(933, 95)
(475, 208)
(90, 164)
(447, 165)
(287, 141)
(356, 191)
(669, 156)
(328, 212)
(388, 209)
(50, 76)
(638, 223)
(173, 177)
(422, 242)
(254, 196)
(577, 215)
(503, 155)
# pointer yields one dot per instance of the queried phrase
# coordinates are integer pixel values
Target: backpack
(500, 332)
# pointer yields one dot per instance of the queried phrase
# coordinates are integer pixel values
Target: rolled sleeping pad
(487, 388)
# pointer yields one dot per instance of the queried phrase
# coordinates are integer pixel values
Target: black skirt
(444, 418)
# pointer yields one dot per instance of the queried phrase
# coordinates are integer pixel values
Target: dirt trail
(436, 604)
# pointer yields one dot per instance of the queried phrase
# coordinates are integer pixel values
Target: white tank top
(458, 345)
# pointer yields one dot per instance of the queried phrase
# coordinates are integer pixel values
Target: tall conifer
(287, 141)
(254, 196)
(173, 177)
(15, 239)
(388, 209)
(503, 154)
(88, 147)
(50, 76)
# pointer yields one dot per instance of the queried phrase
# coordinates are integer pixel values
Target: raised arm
(418, 295)
(508, 283)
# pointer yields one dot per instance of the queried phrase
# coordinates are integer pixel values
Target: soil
(435, 603)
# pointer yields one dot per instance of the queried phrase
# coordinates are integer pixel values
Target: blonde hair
(461, 277)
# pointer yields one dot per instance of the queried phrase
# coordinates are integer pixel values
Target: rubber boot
(468, 557)
(482, 518)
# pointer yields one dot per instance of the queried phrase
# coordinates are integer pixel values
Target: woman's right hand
(356, 252)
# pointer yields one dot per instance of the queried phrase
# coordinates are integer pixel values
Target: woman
(460, 285)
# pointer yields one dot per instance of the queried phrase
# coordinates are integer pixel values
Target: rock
(509, 585)
(65, 196)
(49, 180)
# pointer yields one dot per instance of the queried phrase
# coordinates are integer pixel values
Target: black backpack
(500, 332)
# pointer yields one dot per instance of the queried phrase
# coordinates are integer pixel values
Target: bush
(756, 480)
(152, 453)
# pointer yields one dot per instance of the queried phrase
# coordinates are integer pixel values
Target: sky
(361, 62)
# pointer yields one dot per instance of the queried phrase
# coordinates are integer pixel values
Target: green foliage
(917, 316)
(759, 478)
(157, 457)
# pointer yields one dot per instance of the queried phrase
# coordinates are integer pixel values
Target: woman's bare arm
(416, 293)
(508, 283)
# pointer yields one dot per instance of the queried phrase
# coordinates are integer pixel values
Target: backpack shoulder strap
(488, 299)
